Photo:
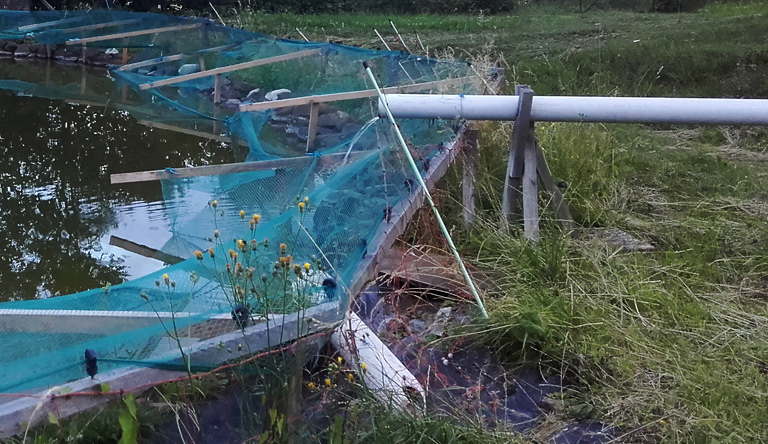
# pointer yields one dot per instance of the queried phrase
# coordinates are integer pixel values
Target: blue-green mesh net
(278, 239)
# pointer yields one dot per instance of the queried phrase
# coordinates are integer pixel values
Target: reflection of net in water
(283, 240)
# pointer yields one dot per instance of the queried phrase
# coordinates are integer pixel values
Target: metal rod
(302, 35)
(580, 109)
(382, 39)
(427, 195)
(402, 42)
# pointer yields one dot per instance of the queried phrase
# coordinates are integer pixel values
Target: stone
(417, 326)
(441, 321)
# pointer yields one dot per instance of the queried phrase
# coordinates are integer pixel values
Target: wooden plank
(172, 58)
(314, 109)
(230, 68)
(559, 205)
(33, 411)
(88, 321)
(121, 35)
(37, 26)
(191, 132)
(469, 176)
(144, 250)
(216, 88)
(99, 26)
(362, 94)
(231, 168)
(530, 189)
(513, 179)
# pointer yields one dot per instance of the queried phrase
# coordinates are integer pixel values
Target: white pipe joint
(581, 109)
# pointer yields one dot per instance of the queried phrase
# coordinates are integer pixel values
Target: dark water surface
(58, 210)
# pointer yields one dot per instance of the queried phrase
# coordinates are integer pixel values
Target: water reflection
(57, 207)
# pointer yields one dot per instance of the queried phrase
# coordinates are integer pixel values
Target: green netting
(278, 240)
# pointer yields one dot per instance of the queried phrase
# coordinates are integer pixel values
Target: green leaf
(104, 387)
(129, 423)
(65, 390)
(52, 418)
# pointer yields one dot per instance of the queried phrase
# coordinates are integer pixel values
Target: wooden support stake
(530, 188)
(513, 179)
(314, 108)
(217, 89)
(201, 62)
(99, 26)
(171, 58)
(558, 201)
(125, 50)
(469, 175)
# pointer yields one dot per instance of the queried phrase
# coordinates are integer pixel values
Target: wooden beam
(37, 26)
(559, 205)
(122, 35)
(530, 186)
(469, 176)
(231, 168)
(314, 109)
(226, 69)
(99, 26)
(172, 58)
(88, 321)
(513, 180)
(144, 250)
(191, 132)
(16, 415)
(362, 94)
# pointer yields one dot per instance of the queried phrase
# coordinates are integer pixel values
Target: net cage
(282, 239)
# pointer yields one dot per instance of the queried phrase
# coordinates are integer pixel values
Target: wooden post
(314, 108)
(217, 89)
(201, 62)
(558, 201)
(84, 49)
(125, 50)
(83, 76)
(469, 175)
(530, 188)
(514, 177)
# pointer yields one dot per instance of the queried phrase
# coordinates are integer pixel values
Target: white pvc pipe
(581, 109)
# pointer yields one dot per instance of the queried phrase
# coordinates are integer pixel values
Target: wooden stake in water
(427, 195)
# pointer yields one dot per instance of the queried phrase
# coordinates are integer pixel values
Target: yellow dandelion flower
(301, 207)
(166, 278)
(199, 255)
(216, 234)
(215, 204)
(306, 200)
(256, 218)
(283, 248)
(231, 253)
(311, 385)
(363, 367)
(350, 378)
(306, 266)
(327, 382)
(242, 214)
(211, 253)
(253, 224)
(339, 360)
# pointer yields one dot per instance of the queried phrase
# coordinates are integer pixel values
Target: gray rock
(441, 321)
(417, 326)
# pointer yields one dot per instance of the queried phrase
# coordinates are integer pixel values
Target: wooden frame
(37, 26)
(99, 26)
(123, 35)
(172, 58)
(352, 95)
(231, 168)
(230, 68)
(191, 132)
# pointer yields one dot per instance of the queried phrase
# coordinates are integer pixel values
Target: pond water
(59, 214)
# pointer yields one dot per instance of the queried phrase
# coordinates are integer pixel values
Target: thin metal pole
(382, 40)
(427, 195)
(302, 35)
(402, 42)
